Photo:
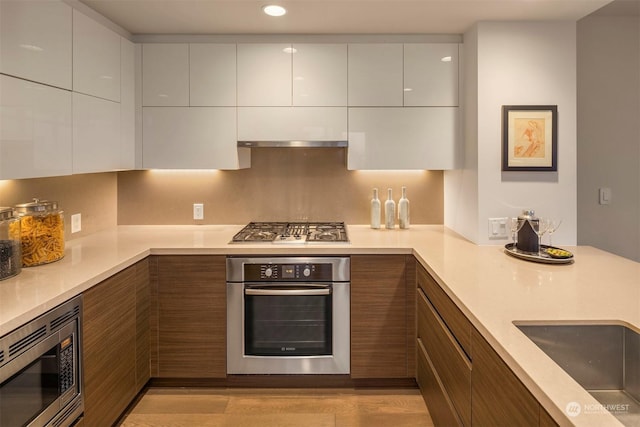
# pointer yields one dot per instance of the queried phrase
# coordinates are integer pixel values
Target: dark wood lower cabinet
(440, 406)
(379, 314)
(190, 333)
(461, 377)
(498, 396)
(111, 352)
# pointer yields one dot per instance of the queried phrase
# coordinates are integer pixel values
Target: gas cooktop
(292, 232)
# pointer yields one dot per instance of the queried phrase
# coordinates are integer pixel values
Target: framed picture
(529, 138)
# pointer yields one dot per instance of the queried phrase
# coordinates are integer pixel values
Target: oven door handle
(292, 292)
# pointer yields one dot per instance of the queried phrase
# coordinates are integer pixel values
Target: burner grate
(298, 232)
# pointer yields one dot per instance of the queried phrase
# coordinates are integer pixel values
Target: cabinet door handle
(290, 292)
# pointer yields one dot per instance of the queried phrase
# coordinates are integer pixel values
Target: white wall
(518, 63)
(461, 185)
(609, 132)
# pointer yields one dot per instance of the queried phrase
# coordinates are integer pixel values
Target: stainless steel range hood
(291, 144)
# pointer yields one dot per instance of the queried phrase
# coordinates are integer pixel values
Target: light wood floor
(172, 407)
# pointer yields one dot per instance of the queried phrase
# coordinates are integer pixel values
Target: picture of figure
(529, 138)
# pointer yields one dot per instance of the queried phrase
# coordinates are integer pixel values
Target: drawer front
(440, 407)
(449, 360)
(455, 320)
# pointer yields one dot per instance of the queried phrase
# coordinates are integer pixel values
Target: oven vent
(1, 357)
(32, 338)
(62, 417)
(64, 318)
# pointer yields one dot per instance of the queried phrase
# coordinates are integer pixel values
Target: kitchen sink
(604, 359)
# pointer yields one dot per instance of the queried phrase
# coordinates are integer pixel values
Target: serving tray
(543, 257)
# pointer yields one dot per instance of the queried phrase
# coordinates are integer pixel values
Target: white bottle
(389, 211)
(375, 210)
(403, 209)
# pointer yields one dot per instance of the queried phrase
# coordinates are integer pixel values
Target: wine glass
(554, 223)
(515, 224)
(540, 229)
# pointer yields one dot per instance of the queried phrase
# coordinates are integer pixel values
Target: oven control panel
(299, 272)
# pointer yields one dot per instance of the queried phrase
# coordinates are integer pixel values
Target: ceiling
(330, 16)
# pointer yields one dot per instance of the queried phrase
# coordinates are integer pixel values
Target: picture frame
(530, 138)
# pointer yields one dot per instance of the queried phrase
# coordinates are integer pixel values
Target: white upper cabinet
(292, 123)
(165, 74)
(96, 58)
(320, 75)
(192, 138)
(431, 74)
(127, 105)
(35, 130)
(403, 138)
(264, 75)
(35, 41)
(96, 134)
(212, 75)
(375, 75)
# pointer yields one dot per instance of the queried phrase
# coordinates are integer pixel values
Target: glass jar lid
(36, 207)
(6, 213)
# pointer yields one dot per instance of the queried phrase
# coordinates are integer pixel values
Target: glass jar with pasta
(41, 232)
(10, 258)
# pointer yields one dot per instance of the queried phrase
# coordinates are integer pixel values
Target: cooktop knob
(268, 272)
(306, 272)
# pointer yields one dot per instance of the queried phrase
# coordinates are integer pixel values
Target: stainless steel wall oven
(288, 315)
(41, 370)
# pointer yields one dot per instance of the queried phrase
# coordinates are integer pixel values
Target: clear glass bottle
(10, 245)
(389, 211)
(375, 210)
(403, 210)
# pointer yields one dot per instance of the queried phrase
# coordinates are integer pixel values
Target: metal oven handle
(293, 292)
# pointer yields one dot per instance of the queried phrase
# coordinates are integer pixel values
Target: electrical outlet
(498, 228)
(198, 211)
(76, 223)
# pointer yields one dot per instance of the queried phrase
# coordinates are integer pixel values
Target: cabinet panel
(292, 123)
(440, 407)
(455, 320)
(375, 75)
(35, 41)
(96, 134)
(192, 317)
(403, 138)
(447, 357)
(264, 75)
(378, 317)
(96, 58)
(109, 334)
(35, 130)
(212, 75)
(165, 74)
(431, 74)
(498, 397)
(320, 75)
(191, 138)
(143, 312)
(127, 105)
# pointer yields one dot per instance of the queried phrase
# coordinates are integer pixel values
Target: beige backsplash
(92, 195)
(282, 184)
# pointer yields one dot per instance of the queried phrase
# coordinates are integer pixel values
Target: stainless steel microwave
(41, 370)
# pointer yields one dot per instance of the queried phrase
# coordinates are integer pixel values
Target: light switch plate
(604, 195)
(76, 223)
(498, 228)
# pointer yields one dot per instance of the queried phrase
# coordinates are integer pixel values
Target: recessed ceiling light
(446, 59)
(274, 10)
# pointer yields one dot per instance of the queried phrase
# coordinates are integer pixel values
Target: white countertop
(491, 288)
